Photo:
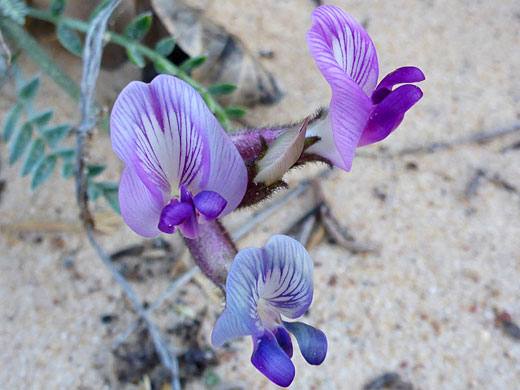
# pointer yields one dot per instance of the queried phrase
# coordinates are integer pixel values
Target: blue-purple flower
(360, 113)
(181, 168)
(262, 285)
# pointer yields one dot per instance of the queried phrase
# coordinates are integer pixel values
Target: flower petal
(286, 282)
(388, 114)
(174, 214)
(407, 74)
(284, 340)
(403, 75)
(312, 341)
(241, 297)
(229, 326)
(347, 58)
(140, 207)
(337, 41)
(209, 203)
(349, 112)
(271, 360)
(165, 131)
(190, 227)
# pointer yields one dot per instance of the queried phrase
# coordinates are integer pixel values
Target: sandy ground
(423, 306)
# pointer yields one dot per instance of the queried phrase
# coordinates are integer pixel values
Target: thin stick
(92, 60)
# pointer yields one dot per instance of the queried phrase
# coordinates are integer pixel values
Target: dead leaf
(228, 60)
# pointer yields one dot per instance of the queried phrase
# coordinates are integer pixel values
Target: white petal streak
(338, 40)
(287, 276)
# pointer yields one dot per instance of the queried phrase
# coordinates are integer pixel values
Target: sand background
(423, 306)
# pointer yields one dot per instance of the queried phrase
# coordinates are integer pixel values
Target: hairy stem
(213, 251)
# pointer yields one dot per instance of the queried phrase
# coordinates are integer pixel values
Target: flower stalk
(213, 251)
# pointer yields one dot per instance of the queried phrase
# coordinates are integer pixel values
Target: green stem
(33, 49)
(151, 54)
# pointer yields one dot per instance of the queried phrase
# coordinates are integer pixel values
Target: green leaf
(57, 7)
(16, 10)
(54, 135)
(20, 142)
(164, 66)
(139, 27)
(11, 121)
(29, 90)
(42, 118)
(94, 191)
(192, 63)
(67, 169)
(69, 39)
(222, 89)
(112, 198)
(66, 154)
(165, 46)
(34, 155)
(135, 56)
(43, 170)
(235, 112)
(95, 170)
(108, 185)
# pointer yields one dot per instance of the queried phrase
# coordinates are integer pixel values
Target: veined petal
(242, 292)
(286, 282)
(271, 360)
(209, 203)
(349, 112)
(337, 41)
(165, 131)
(389, 113)
(312, 341)
(140, 207)
(229, 326)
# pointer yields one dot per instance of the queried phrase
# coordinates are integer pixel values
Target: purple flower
(263, 284)
(360, 113)
(181, 168)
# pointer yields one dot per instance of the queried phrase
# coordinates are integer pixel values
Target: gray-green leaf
(94, 191)
(134, 56)
(33, 156)
(66, 154)
(43, 170)
(57, 7)
(11, 121)
(42, 118)
(67, 169)
(235, 112)
(222, 89)
(20, 142)
(16, 10)
(95, 170)
(54, 135)
(192, 63)
(165, 46)
(139, 27)
(69, 39)
(112, 198)
(29, 90)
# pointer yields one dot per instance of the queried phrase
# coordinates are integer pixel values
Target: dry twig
(92, 52)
